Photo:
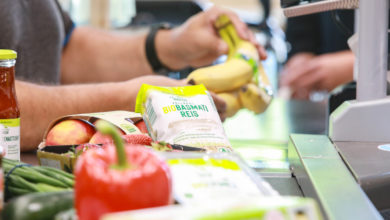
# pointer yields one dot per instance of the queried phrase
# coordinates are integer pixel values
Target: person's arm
(305, 73)
(39, 104)
(95, 56)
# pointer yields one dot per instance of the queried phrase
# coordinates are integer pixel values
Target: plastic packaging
(199, 177)
(182, 115)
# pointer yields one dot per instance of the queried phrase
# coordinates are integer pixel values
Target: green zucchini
(42, 205)
(69, 214)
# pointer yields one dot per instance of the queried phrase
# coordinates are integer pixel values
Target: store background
(260, 139)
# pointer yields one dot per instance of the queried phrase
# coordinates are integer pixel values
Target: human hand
(220, 104)
(197, 43)
(305, 72)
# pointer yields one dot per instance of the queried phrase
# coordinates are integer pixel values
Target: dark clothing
(37, 30)
(319, 33)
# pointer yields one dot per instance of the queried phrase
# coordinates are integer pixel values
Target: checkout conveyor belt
(306, 164)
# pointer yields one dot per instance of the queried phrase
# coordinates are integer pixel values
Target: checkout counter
(288, 147)
(347, 172)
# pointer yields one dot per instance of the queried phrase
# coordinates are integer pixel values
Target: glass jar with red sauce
(9, 110)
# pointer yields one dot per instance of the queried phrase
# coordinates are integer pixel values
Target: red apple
(142, 126)
(69, 132)
(99, 138)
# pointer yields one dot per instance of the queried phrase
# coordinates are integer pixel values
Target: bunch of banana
(241, 81)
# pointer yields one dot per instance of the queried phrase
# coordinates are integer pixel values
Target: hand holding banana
(241, 81)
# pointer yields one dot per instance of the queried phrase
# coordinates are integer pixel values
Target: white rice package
(182, 115)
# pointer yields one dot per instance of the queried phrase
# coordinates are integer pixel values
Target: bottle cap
(7, 54)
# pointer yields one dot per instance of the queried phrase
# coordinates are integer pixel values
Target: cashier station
(348, 170)
(341, 160)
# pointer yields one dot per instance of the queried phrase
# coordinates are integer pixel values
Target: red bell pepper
(117, 179)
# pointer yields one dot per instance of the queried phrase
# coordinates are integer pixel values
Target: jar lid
(7, 54)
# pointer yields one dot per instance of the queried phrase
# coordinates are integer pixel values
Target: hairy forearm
(94, 55)
(39, 105)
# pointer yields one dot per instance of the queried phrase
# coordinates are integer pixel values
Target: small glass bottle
(9, 110)
(1, 181)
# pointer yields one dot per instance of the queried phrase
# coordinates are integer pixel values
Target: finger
(300, 94)
(220, 104)
(260, 49)
(241, 28)
(290, 69)
(222, 48)
(310, 81)
(211, 53)
(184, 82)
(262, 52)
(214, 46)
(252, 37)
(297, 73)
(308, 84)
(299, 59)
(222, 117)
(248, 35)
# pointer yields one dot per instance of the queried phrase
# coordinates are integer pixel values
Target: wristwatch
(150, 48)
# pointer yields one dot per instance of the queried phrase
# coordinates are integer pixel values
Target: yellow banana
(242, 67)
(227, 76)
(236, 45)
(246, 50)
(230, 42)
(254, 98)
(233, 104)
(243, 47)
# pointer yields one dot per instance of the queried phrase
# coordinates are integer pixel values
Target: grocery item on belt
(65, 133)
(39, 205)
(21, 178)
(9, 108)
(182, 115)
(267, 208)
(119, 177)
(201, 177)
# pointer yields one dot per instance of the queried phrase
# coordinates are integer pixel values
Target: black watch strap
(150, 48)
